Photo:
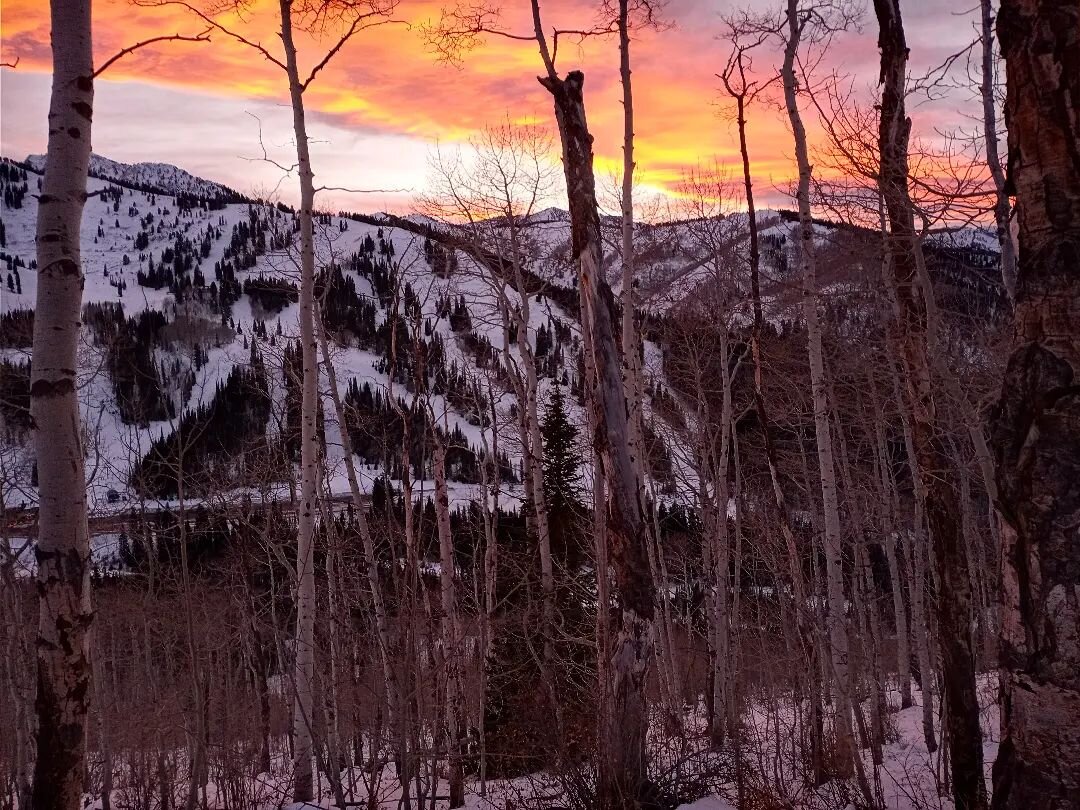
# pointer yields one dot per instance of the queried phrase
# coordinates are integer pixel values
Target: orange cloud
(387, 81)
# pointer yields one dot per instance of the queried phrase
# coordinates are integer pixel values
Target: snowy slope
(162, 178)
(111, 260)
(160, 207)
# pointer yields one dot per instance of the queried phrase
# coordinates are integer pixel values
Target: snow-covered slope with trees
(185, 288)
(202, 282)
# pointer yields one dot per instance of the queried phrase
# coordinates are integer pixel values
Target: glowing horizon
(379, 107)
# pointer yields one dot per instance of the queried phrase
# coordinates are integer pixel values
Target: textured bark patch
(66, 267)
(83, 109)
(47, 389)
(1036, 425)
(57, 771)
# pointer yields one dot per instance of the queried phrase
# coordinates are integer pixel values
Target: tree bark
(1036, 424)
(838, 637)
(371, 563)
(452, 652)
(304, 663)
(993, 159)
(63, 547)
(897, 575)
(624, 768)
(937, 478)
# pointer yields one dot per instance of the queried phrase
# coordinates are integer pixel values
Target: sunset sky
(377, 112)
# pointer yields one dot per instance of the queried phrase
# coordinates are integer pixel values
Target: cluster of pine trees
(139, 380)
(14, 183)
(221, 443)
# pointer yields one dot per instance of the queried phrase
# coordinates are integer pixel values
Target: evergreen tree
(562, 480)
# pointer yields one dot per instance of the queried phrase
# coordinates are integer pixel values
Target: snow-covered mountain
(185, 286)
(190, 287)
(161, 178)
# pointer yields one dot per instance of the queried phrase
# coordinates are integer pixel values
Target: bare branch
(210, 21)
(353, 29)
(462, 27)
(364, 190)
(204, 36)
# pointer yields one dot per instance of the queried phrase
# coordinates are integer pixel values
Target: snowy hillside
(188, 285)
(219, 281)
(162, 178)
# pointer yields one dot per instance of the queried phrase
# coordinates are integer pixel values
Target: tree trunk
(633, 380)
(741, 94)
(916, 335)
(721, 559)
(1036, 425)
(63, 547)
(378, 601)
(304, 664)
(917, 547)
(993, 159)
(897, 575)
(838, 637)
(623, 770)
(452, 652)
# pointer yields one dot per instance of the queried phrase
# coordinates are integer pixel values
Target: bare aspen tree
(742, 90)
(633, 382)
(631, 369)
(1036, 425)
(378, 599)
(987, 90)
(452, 654)
(63, 548)
(893, 558)
(497, 198)
(304, 650)
(938, 479)
(917, 547)
(806, 21)
(623, 766)
(713, 315)
(624, 771)
(351, 17)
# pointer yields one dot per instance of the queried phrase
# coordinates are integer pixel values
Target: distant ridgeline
(156, 178)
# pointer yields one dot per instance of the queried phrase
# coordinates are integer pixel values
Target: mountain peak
(158, 178)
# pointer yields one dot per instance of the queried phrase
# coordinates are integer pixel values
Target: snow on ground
(104, 554)
(108, 236)
(907, 779)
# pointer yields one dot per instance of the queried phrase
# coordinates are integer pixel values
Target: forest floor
(773, 773)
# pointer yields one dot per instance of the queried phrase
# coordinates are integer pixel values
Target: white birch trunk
(63, 552)
(304, 644)
(838, 639)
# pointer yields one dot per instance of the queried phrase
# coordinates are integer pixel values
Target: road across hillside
(24, 522)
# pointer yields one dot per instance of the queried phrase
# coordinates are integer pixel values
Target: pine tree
(562, 479)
